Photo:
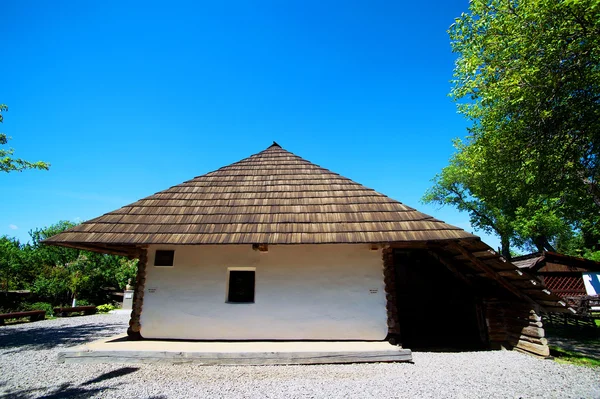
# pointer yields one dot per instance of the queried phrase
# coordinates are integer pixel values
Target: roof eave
(131, 251)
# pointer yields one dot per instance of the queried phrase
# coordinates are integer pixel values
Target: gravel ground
(28, 369)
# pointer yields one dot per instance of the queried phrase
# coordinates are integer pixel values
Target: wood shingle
(273, 197)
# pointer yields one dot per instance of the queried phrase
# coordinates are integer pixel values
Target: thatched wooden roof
(554, 262)
(273, 197)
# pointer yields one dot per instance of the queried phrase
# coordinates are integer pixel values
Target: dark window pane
(241, 286)
(164, 258)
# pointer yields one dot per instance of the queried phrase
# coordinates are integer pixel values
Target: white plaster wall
(321, 292)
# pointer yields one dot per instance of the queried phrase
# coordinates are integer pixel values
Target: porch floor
(119, 350)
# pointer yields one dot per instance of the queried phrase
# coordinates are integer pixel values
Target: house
(274, 247)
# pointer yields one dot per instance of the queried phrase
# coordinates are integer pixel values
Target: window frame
(164, 250)
(239, 269)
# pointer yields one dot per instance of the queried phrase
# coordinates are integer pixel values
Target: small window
(164, 258)
(241, 286)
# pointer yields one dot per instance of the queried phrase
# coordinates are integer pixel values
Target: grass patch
(596, 316)
(566, 356)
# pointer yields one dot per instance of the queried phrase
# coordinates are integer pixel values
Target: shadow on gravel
(583, 341)
(445, 350)
(48, 337)
(69, 390)
(62, 391)
(112, 374)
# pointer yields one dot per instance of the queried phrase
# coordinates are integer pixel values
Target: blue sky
(128, 99)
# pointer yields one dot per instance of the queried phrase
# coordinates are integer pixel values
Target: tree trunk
(590, 239)
(539, 242)
(542, 244)
(505, 248)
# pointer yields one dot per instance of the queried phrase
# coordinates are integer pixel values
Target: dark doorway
(436, 310)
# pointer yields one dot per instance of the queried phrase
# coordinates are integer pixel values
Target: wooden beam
(515, 274)
(486, 255)
(526, 317)
(448, 264)
(540, 291)
(535, 332)
(527, 284)
(519, 337)
(491, 273)
(553, 303)
(121, 251)
(556, 309)
(114, 251)
(537, 349)
(410, 245)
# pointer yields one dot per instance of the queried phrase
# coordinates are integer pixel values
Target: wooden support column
(133, 332)
(389, 278)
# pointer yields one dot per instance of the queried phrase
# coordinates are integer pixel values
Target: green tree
(53, 281)
(69, 273)
(527, 76)
(59, 274)
(461, 184)
(7, 162)
(10, 263)
(51, 254)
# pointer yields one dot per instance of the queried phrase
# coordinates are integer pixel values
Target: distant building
(569, 277)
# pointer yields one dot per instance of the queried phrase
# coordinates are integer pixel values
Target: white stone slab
(121, 311)
(119, 350)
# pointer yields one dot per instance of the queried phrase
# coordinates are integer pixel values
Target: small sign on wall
(151, 290)
(373, 291)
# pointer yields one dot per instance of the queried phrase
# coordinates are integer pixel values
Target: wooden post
(133, 332)
(389, 278)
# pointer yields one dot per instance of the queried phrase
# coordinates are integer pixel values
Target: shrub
(84, 302)
(105, 308)
(39, 306)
